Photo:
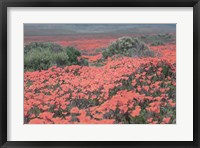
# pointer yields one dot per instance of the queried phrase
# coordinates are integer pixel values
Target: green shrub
(157, 43)
(72, 53)
(158, 39)
(83, 62)
(128, 46)
(107, 53)
(60, 59)
(166, 36)
(37, 60)
(43, 45)
(41, 56)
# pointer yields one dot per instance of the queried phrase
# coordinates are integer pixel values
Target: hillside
(81, 29)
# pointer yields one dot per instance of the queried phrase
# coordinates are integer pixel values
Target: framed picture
(99, 73)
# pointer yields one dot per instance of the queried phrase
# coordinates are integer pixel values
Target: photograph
(118, 73)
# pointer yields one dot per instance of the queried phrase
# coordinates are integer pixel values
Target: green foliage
(41, 45)
(41, 56)
(83, 62)
(157, 43)
(98, 63)
(158, 39)
(128, 46)
(166, 36)
(72, 54)
(34, 110)
(37, 60)
(60, 59)
(83, 103)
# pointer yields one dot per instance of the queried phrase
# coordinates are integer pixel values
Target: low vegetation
(41, 56)
(157, 43)
(158, 39)
(128, 46)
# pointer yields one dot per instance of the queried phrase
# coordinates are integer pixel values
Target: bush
(165, 36)
(41, 56)
(83, 62)
(72, 54)
(36, 60)
(157, 43)
(41, 45)
(60, 59)
(158, 39)
(128, 46)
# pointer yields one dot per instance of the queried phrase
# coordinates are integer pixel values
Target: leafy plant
(157, 43)
(128, 46)
(42, 45)
(41, 56)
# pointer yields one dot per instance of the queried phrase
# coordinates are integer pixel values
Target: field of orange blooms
(124, 90)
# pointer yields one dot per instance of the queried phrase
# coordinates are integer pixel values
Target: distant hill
(73, 29)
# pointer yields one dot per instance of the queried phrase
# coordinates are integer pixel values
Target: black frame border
(4, 4)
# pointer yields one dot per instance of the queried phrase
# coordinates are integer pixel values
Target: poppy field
(100, 79)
